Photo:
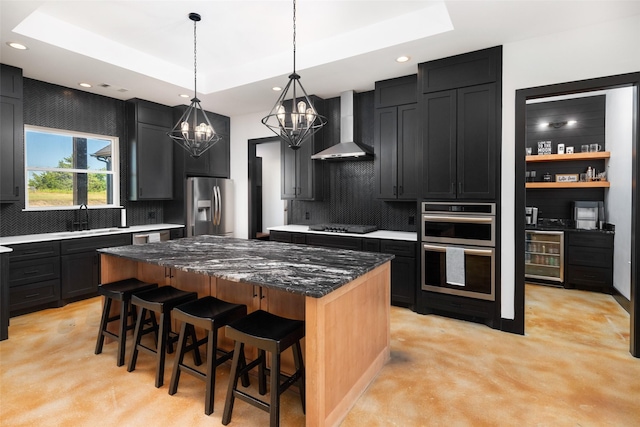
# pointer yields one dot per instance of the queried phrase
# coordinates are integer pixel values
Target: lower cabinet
(589, 264)
(403, 266)
(80, 264)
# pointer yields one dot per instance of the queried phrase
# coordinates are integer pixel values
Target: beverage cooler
(544, 256)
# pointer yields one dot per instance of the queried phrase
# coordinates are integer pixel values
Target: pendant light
(194, 132)
(293, 117)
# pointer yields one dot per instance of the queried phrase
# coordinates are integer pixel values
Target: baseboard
(622, 300)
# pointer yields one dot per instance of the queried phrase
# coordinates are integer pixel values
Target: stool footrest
(252, 400)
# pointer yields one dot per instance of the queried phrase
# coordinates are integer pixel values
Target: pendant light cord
(294, 36)
(195, 68)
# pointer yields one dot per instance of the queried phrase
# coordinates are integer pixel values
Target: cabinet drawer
(590, 256)
(89, 244)
(589, 276)
(36, 270)
(455, 304)
(352, 243)
(594, 240)
(396, 247)
(34, 251)
(33, 294)
(280, 236)
(371, 245)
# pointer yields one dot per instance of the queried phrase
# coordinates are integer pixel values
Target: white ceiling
(144, 49)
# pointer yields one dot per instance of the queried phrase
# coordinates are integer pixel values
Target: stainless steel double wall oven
(466, 230)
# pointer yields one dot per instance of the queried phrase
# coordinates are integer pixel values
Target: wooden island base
(347, 331)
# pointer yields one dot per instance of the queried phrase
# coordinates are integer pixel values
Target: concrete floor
(572, 368)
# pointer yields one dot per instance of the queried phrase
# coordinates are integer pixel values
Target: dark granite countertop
(307, 270)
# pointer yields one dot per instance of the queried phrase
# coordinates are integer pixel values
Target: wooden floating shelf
(592, 184)
(568, 157)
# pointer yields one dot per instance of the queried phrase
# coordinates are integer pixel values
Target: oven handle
(470, 251)
(469, 219)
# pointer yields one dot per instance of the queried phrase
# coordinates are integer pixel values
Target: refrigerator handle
(218, 205)
(194, 210)
(214, 205)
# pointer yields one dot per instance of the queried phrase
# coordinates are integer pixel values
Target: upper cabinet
(396, 139)
(150, 150)
(301, 177)
(460, 120)
(12, 134)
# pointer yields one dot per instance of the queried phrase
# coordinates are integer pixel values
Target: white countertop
(4, 250)
(378, 234)
(63, 235)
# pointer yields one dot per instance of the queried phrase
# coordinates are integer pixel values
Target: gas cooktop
(344, 228)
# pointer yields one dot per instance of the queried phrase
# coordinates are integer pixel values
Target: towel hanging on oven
(455, 266)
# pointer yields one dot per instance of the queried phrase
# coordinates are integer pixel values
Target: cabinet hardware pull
(394, 191)
(460, 188)
(17, 191)
(30, 252)
(31, 296)
(32, 272)
(453, 187)
(401, 190)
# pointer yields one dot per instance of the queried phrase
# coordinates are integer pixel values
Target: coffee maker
(588, 215)
(531, 215)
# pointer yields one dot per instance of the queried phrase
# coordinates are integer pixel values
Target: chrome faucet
(84, 223)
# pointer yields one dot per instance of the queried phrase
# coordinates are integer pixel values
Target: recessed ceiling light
(276, 88)
(17, 45)
(403, 58)
(84, 84)
(184, 95)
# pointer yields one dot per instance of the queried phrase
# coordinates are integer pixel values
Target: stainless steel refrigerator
(209, 206)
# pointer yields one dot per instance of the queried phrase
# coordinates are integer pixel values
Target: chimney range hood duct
(347, 149)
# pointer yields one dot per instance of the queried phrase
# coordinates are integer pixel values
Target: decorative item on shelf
(567, 177)
(529, 151)
(544, 147)
(530, 176)
(546, 177)
(560, 148)
(584, 148)
(301, 120)
(569, 150)
(594, 148)
(193, 131)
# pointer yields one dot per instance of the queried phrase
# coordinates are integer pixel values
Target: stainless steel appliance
(209, 206)
(344, 228)
(544, 255)
(588, 215)
(531, 215)
(458, 249)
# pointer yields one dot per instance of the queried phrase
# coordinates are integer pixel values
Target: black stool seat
(160, 300)
(122, 291)
(211, 314)
(266, 332)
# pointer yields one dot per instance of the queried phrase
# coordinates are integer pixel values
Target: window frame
(114, 172)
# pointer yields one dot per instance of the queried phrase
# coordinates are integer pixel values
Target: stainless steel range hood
(348, 148)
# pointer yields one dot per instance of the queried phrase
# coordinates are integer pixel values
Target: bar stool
(274, 334)
(211, 314)
(122, 291)
(160, 300)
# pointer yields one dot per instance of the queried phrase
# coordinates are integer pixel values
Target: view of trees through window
(69, 169)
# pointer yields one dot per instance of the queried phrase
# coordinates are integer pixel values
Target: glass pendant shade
(193, 131)
(293, 117)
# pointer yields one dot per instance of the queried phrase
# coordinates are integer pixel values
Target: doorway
(611, 82)
(266, 208)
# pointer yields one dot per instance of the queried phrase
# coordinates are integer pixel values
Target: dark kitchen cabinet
(150, 150)
(12, 134)
(460, 143)
(34, 276)
(215, 161)
(396, 139)
(460, 116)
(4, 296)
(302, 177)
(80, 264)
(589, 261)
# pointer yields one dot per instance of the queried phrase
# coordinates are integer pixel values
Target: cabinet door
(476, 142)
(305, 170)
(386, 152)
(289, 169)
(403, 280)
(80, 274)
(439, 145)
(407, 152)
(154, 153)
(11, 162)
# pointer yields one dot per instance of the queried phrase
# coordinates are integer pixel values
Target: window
(65, 169)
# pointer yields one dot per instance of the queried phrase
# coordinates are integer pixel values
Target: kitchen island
(343, 296)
